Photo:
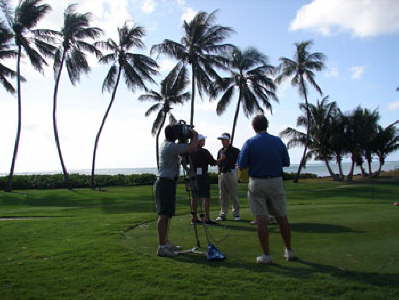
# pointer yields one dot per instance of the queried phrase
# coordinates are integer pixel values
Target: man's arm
(193, 146)
(286, 157)
(243, 158)
(187, 148)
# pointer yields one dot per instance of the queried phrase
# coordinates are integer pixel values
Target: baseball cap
(224, 136)
(201, 137)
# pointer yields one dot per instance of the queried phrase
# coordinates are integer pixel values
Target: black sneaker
(196, 222)
(210, 222)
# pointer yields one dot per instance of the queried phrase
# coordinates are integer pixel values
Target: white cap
(224, 136)
(201, 137)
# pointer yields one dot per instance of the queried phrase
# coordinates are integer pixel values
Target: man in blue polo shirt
(265, 156)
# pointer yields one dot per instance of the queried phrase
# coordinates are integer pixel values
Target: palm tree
(33, 42)
(137, 68)
(321, 116)
(6, 52)
(354, 135)
(386, 142)
(370, 127)
(201, 48)
(301, 70)
(249, 74)
(338, 139)
(171, 92)
(75, 31)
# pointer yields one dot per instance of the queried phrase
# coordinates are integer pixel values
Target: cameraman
(165, 186)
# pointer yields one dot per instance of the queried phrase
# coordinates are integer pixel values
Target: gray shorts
(165, 196)
(266, 196)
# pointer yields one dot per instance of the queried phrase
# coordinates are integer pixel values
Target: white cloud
(188, 14)
(361, 17)
(148, 6)
(166, 65)
(207, 106)
(357, 72)
(181, 2)
(332, 72)
(393, 106)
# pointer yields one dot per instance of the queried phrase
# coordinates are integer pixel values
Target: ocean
(317, 169)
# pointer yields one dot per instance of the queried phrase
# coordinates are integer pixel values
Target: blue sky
(359, 37)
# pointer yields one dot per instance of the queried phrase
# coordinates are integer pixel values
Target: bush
(76, 181)
(56, 181)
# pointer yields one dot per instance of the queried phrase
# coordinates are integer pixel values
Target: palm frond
(5, 83)
(106, 59)
(29, 12)
(170, 48)
(88, 48)
(153, 108)
(76, 63)
(157, 122)
(151, 96)
(45, 48)
(110, 79)
(225, 100)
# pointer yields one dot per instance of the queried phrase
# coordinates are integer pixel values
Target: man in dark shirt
(227, 179)
(200, 187)
(265, 156)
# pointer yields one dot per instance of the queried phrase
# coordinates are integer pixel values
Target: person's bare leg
(206, 208)
(263, 233)
(194, 206)
(162, 225)
(285, 230)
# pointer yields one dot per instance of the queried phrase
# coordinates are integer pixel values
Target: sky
(359, 38)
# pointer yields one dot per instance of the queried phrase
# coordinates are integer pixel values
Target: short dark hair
(260, 123)
(170, 133)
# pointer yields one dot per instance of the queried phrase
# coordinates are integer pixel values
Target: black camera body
(182, 131)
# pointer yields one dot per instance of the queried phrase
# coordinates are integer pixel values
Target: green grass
(101, 245)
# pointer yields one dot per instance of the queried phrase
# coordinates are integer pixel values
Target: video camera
(182, 131)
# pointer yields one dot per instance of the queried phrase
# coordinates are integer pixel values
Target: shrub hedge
(56, 181)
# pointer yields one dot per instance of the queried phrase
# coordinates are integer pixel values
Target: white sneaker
(166, 252)
(237, 218)
(221, 218)
(289, 254)
(173, 247)
(264, 259)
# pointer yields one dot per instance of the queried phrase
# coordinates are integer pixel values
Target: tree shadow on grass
(298, 227)
(307, 271)
(321, 228)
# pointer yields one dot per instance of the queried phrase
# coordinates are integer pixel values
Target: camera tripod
(213, 253)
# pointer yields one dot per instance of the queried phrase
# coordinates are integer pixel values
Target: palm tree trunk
(350, 174)
(101, 128)
(362, 170)
(302, 163)
(16, 145)
(235, 118)
(369, 165)
(57, 140)
(381, 161)
(339, 163)
(332, 174)
(192, 96)
(157, 138)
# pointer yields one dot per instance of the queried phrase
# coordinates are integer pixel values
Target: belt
(265, 177)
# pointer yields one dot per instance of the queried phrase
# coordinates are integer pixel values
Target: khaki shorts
(267, 197)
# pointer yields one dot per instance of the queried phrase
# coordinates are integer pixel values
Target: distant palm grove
(201, 55)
